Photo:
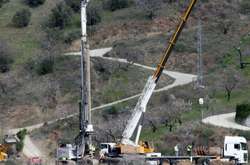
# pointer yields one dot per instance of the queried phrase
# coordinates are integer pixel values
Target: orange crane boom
(147, 92)
(173, 40)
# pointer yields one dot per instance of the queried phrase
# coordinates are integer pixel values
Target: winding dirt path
(226, 121)
(30, 150)
(179, 78)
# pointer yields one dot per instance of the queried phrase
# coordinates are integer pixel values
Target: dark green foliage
(180, 47)
(34, 3)
(19, 146)
(21, 18)
(245, 134)
(5, 63)
(60, 16)
(242, 112)
(45, 66)
(2, 2)
(93, 14)
(245, 6)
(112, 111)
(71, 35)
(5, 57)
(74, 4)
(21, 134)
(113, 5)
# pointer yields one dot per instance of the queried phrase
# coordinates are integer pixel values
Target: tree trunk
(228, 95)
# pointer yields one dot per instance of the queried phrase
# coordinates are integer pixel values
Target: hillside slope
(27, 97)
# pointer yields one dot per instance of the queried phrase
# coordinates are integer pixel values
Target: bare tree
(149, 6)
(109, 133)
(230, 81)
(153, 126)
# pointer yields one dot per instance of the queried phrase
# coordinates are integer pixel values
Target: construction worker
(189, 149)
(176, 150)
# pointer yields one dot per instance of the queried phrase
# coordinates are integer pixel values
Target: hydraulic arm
(140, 107)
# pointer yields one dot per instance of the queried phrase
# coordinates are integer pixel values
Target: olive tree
(230, 81)
(21, 18)
(60, 16)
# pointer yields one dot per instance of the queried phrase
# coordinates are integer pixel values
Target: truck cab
(108, 149)
(236, 147)
(66, 152)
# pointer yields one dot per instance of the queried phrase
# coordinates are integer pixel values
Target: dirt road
(179, 78)
(30, 150)
(226, 121)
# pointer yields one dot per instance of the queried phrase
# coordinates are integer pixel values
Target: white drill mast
(84, 141)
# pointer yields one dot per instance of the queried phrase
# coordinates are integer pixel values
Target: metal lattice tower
(199, 57)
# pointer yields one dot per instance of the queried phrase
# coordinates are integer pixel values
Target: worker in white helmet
(176, 150)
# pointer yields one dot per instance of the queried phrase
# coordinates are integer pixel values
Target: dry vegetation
(29, 96)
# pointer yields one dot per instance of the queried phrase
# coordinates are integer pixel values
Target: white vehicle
(66, 152)
(236, 147)
(107, 149)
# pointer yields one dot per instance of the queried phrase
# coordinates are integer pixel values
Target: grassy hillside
(138, 38)
(142, 40)
(26, 89)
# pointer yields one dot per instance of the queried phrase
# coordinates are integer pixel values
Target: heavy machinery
(234, 148)
(83, 142)
(127, 145)
(234, 151)
(3, 152)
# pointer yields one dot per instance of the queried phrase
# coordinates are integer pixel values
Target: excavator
(126, 145)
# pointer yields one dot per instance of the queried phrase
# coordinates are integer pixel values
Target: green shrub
(5, 62)
(2, 2)
(245, 6)
(5, 57)
(21, 18)
(74, 4)
(245, 134)
(71, 35)
(45, 66)
(60, 16)
(21, 134)
(93, 14)
(113, 5)
(180, 47)
(112, 111)
(242, 112)
(19, 146)
(34, 3)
